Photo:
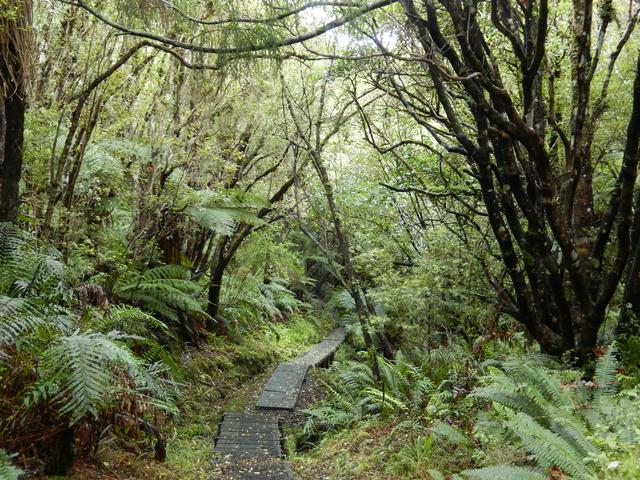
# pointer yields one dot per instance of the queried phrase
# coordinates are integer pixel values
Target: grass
(359, 453)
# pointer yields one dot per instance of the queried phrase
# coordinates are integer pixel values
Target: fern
(166, 290)
(17, 315)
(548, 448)
(7, 470)
(132, 320)
(551, 422)
(32, 285)
(88, 367)
(223, 220)
(605, 375)
(446, 432)
(325, 417)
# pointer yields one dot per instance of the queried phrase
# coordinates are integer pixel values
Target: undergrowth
(521, 417)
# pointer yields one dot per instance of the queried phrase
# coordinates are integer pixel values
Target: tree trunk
(218, 266)
(12, 110)
(564, 262)
(15, 58)
(345, 253)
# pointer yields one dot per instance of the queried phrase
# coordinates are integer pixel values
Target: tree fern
(131, 320)
(166, 290)
(87, 367)
(223, 220)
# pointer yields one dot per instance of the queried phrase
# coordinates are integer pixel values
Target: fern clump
(166, 290)
(64, 363)
(560, 426)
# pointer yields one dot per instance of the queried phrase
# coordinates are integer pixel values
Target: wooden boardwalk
(283, 388)
(322, 353)
(255, 440)
(245, 434)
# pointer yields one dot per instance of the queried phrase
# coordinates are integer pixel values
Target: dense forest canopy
(190, 191)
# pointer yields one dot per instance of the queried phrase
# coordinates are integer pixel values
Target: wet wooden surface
(283, 388)
(323, 351)
(249, 435)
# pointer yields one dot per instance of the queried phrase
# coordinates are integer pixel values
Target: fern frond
(167, 272)
(17, 315)
(549, 448)
(447, 432)
(86, 365)
(573, 430)
(223, 220)
(605, 374)
(165, 290)
(7, 470)
(376, 396)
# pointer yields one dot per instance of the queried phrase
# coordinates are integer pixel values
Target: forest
(332, 240)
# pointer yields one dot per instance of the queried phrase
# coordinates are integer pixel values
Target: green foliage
(446, 432)
(557, 424)
(249, 301)
(166, 290)
(90, 369)
(406, 388)
(32, 286)
(417, 455)
(221, 220)
(57, 357)
(7, 470)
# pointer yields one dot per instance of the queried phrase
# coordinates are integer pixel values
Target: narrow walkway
(255, 440)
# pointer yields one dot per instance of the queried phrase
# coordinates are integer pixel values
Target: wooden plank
(337, 335)
(288, 376)
(278, 400)
(240, 437)
(234, 432)
(251, 429)
(257, 425)
(249, 435)
(318, 354)
(260, 418)
(229, 443)
(249, 452)
(323, 350)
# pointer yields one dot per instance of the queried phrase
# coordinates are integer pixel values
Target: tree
(539, 198)
(531, 154)
(15, 60)
(314, 127)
